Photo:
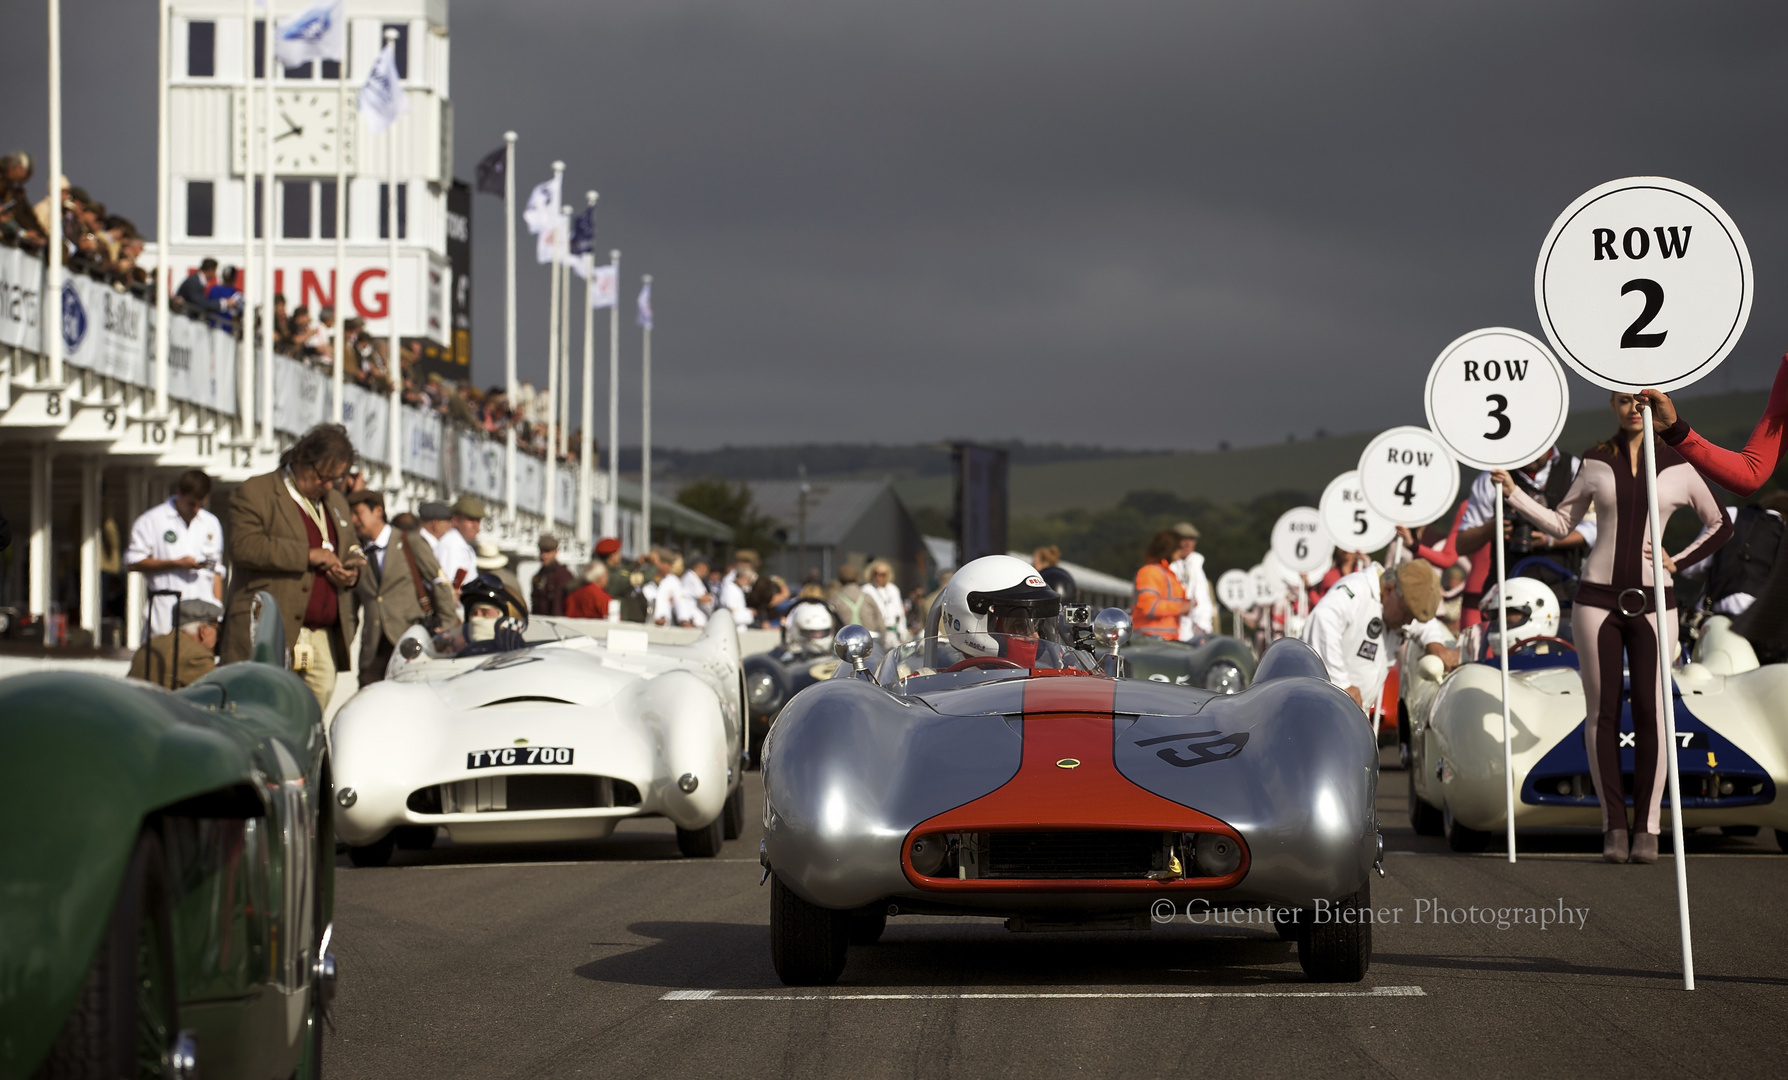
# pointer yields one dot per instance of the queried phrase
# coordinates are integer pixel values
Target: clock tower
(213, 127)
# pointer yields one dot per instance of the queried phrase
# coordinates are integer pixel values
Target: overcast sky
(1139, 224)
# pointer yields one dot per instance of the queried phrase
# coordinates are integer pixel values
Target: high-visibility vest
(1160, 601)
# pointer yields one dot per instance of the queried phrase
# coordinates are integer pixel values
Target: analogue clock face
(306, 131)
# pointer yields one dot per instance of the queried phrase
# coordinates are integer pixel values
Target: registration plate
(519, 755)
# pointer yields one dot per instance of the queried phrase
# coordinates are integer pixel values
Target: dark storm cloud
(1137, 224)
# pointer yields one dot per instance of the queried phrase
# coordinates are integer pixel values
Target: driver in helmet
(494, 622)
(1532, 611)
(999, 607)
(808, 629)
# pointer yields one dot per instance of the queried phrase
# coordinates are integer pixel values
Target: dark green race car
(1212, 662)
(166, 874)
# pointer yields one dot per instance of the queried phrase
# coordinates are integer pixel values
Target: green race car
(166, 873)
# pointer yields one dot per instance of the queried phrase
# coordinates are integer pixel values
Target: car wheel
(732, 816)
(702, 843)
(414, 837)
(808, 943)
(866, 928)
(377, 853)
(1460, 838)
(1338, 949)
(1423, 817)
(126, 1019)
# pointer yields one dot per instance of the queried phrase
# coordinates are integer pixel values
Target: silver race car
(1000, 765)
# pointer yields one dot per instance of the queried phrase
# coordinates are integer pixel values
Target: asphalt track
(621, 958)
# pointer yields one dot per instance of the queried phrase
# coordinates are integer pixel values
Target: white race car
(555, 741)
(1731, 729)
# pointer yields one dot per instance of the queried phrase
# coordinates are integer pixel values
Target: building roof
(668, 512)
(833, 506)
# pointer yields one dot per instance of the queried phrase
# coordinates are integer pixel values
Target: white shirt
(1432, 632)
(732, 598)
(1480, 504)
(161, 533)
(455, 556)
(887, 599)
(377, 558)
(667, 598)
(1347, 629)
(1190, 571)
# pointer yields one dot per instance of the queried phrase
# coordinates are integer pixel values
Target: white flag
(317, 34)
(603, 286)
(382, 98)
(543, 219)
(645, 306)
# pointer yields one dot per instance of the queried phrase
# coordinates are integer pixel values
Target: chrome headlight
(1225, 678)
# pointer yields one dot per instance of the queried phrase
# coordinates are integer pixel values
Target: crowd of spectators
(102, 245)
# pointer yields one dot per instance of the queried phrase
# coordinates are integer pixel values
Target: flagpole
(245, 319)
(645, 430)
(269, 62)
(395, 478)
(565, 339)
(552, 352)
(161, 212)
(509, 312)
(52, 255)
(611, 509)
(341, 239)
(586, 468)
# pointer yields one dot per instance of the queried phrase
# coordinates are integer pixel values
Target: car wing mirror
(853, 644)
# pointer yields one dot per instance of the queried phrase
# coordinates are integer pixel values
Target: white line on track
(1377, 991)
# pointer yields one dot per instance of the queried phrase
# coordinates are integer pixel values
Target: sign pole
(586, 436)
(1502, 660)
(1657, 592)
(552, 354)
(611, 510)
(509, 387)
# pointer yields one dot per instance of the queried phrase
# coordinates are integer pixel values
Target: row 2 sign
(1643, 282)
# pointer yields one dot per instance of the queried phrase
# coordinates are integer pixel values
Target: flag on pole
(316, 34)
(583, 231)
(382, 98)
(542, 218)
(603, 286)
(645, 306)
(490, 171)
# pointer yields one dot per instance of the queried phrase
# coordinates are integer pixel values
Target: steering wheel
(1525, 643)
(983, 662)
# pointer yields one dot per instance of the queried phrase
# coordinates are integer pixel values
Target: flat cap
(549, 542)
(434, 511)
(195, 610)
(469, 506)
(1187, 530)
(1419, 583)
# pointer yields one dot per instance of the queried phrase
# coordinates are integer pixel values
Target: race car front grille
(531, 791)
(1082, 856)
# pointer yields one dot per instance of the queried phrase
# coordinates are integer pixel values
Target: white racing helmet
(995, 594)
(1532, 610)
(810, 626)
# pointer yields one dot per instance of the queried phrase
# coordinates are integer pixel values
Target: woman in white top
(670, 603)
(886, 594)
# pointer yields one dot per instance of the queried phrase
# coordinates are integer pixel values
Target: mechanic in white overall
(1354, 627)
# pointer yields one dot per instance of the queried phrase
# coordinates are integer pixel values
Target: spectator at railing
(225, 299)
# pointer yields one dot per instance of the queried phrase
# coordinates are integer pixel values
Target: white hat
(489, 558)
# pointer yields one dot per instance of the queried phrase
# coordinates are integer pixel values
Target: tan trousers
(320, 676)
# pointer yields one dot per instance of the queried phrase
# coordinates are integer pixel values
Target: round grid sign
(1497, 398)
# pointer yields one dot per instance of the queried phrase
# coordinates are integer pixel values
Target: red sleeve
(1740, 471)
(1450, 551)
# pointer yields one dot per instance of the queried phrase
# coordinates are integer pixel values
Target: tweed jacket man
(269, 550)
(386, 599)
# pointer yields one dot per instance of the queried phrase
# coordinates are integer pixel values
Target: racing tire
(867, 927)
(702, 843)
(808, 943)
(414, 837)
(1462, 839)
(1338, 950)
(732, 815)
(377, 853)
(1423, 817)
(1782, 841)
(126, 1017)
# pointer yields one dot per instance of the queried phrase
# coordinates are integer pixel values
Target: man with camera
(401, 587)
(1546, 479)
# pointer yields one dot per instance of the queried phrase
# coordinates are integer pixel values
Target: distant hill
(845, 460)
(1244, 474)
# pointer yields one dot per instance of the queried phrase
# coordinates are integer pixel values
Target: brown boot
(1614, 846)
(1645, 848)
